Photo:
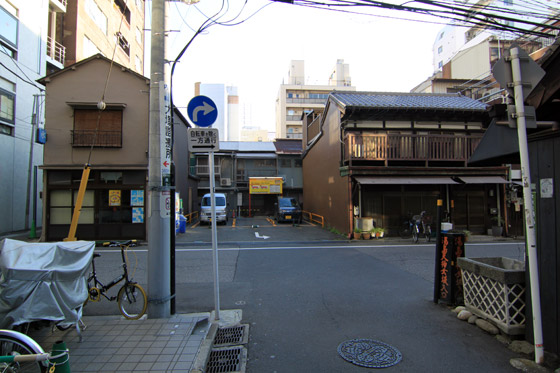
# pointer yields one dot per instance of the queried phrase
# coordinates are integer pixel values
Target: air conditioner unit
(226, 181)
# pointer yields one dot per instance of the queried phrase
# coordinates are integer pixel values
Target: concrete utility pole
(158, 193)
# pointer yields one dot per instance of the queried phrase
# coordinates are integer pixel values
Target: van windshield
(220, 201)
(287, 202)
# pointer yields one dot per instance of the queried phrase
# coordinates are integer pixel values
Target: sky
(384, 54)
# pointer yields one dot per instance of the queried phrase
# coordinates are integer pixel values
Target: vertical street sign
(165, 150)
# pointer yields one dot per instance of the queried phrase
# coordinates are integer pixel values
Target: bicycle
(131, 298)
(20, 353)
(407, 227)
(423, 221)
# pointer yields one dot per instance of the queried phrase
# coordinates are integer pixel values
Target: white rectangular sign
(203, 139)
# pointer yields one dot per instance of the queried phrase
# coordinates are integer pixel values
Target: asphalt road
(304, 290)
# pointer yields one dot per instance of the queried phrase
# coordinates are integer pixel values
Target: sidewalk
(181, 343)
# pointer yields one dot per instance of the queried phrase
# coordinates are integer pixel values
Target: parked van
(221, 208)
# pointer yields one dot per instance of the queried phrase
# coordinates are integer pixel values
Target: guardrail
(314, 218)
(192, 217)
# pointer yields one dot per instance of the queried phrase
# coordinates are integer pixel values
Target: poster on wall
(114, 197)
(137, 198)
(137, 214)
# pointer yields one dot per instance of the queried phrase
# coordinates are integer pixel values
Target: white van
(221, 208)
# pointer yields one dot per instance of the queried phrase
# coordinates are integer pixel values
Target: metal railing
(314, 218)
(55, 50)
(192, 217)
(105, 139)
(409, 147)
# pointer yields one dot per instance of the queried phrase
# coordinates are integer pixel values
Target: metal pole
(528, 203)
(214, 237)
(158, 221)
(437, 270)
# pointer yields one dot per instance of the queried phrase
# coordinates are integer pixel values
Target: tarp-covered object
(43, 281)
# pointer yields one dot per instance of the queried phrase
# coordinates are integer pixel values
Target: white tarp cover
(43, 281)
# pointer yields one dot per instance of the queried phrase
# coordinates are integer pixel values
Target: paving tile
(160, 366)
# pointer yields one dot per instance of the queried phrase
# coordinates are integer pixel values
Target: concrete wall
(472, 63)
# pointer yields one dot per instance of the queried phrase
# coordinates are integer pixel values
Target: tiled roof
(426, 101)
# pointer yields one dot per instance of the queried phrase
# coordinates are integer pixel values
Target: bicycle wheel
(415, 234)
(428, 233)
(14, 343)
(404, 232)
(132, 301)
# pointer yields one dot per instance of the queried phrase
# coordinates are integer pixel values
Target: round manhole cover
(369, 353)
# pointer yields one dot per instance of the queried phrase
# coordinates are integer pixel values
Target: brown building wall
(86, 84)
(325, 192)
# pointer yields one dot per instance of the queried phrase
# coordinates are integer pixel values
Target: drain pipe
(528, 204)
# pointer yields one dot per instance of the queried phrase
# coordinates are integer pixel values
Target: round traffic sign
(202, 111)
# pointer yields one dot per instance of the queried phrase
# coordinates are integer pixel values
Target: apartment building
(23, 42)
(296, 97)
(38, 38)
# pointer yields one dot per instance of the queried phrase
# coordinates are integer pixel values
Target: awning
(483, 180)
(256, 155)
(399, 180)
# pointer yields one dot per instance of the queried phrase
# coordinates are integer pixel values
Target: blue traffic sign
(202, 111)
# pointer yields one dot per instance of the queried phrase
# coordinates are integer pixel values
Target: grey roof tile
(428, 101)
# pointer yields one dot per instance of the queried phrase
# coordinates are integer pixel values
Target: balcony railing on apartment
(316, 101)
(204, 170)
(103, 139)
(409, 147)
(55, 50)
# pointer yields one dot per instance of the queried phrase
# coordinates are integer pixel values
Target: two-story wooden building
(392, 155)
(114, 141)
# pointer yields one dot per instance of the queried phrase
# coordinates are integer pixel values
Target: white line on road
(313, 247)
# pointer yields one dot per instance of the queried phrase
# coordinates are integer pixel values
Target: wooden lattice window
(97, 128)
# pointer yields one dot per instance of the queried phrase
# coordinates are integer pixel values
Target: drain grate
(230, 360)
(232, 336)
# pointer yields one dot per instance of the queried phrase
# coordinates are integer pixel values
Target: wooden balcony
(427, 150)
(102, 139)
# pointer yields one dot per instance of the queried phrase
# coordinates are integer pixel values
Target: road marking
(325, 246)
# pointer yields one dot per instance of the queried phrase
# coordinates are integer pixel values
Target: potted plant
(380, 232)
(366, 235)
(497, 226)
(357, 233)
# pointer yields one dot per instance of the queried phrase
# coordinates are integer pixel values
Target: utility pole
(158, 191)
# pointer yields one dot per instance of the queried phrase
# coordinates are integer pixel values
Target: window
(9, 30)
(123, 43)
(508, 2)
(97, 15)
(106, 133)
(297, 162)
(138, 35)
(285, 163)
(319, 95)
(264, 163)
(90, 48)
(440, 49)
(138, 64)
(121, 6)
(440, 64)
(7, 107)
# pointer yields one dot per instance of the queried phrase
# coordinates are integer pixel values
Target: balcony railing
(409, 147)
(204, 170)
(103, 139)
(55, 50)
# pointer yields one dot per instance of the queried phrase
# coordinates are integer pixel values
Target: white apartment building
(23, 60)
(37, 38)
(295, 97)
(226, 99)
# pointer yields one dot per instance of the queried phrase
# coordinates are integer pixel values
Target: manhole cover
(369, 353)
